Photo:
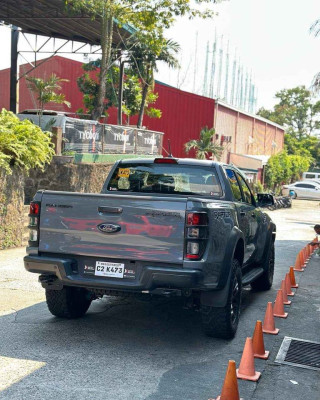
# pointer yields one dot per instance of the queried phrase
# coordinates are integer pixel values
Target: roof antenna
(169, 148)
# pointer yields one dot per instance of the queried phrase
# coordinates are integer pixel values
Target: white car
(303, 190)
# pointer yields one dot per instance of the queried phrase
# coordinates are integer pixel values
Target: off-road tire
(70, 302)
(222, 322)
(264, 282)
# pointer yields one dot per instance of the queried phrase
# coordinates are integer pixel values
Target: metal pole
(14, 68)
(120, 95)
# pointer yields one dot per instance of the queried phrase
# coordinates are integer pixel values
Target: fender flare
(218, 298)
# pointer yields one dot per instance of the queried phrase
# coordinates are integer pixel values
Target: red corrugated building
(183, 115)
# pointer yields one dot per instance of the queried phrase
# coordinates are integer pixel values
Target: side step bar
(251, 276)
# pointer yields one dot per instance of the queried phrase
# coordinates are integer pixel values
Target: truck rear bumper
(151, 277)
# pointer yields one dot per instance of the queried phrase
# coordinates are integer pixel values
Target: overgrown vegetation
(284, 168)
(23, 144)
(149, 19)
(205, 146)
(46, 91)
(132, 92)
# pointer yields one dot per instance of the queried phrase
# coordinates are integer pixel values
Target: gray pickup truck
(164, 226)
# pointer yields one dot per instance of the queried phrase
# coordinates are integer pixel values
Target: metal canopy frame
(51, 46)
(50, 18)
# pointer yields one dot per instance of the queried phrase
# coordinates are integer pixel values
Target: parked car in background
(303, 190)
(311, 175)
(312, 181)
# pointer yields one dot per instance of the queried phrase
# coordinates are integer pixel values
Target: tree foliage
(132, 91)
(296, 110)
(283, 168)
(143, 57)
(308, 147)
(146, 17)
(23, 144)
(205, 146)
(47, 91)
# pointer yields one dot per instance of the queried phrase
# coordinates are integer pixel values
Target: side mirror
(265, 200)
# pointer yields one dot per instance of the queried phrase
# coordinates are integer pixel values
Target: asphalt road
(128, 349)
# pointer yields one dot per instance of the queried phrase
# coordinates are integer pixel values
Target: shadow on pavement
(129, 349)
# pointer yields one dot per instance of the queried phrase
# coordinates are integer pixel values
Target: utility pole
(234, 70)
(120, 95)
(238, 85)
(226, 82)
(195, 64)
(14, 68)
(220, 68)
(241, 88)
(205, 79)
(213, 67)
(246, 91)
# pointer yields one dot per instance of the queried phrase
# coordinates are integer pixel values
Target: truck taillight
(196, 235)
(34, 219)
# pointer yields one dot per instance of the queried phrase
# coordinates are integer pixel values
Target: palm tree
(46, 91)
(205, 145)
(143, 57)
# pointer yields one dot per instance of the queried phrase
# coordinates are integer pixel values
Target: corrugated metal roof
(51, 18)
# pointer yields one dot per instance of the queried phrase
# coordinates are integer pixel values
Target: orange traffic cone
(284, 293)
(298, 265)
(230, 389)
(268, 323)
(293, 278)
(246, 369)
(288, 285)
(310, 249)
(258, 342)
(302, 259)
(278, 310)
(305, 255)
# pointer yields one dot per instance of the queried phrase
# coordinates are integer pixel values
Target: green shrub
(23, 144)
(258, 187)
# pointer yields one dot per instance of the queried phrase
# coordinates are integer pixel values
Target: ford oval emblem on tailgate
(109, 228)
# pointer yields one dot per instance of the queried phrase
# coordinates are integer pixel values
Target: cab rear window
(165, 178)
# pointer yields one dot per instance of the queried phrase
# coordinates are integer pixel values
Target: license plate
(108, 269)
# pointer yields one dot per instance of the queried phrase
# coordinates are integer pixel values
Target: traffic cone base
(263, 356)
(253, 378)
(271, 332)
(281, 315)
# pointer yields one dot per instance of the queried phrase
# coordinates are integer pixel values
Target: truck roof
(184, 161)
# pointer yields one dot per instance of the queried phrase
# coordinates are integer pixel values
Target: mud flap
(216, 298)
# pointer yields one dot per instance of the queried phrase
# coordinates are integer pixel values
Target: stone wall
(87, 178)
(17, 190)
(12, 210)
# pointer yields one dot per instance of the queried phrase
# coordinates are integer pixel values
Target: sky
(271, 38)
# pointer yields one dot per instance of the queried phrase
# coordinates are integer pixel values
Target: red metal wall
(183, 116)
(62, 67)
(183, 113)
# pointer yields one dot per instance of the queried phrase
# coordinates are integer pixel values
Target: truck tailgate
(146, 227)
